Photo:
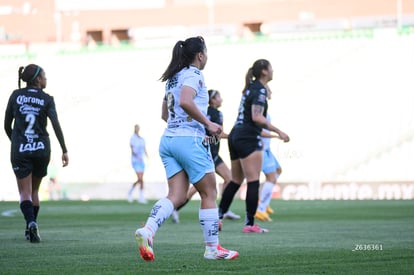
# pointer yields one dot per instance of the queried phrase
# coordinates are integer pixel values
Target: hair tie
(35, 75)
(213, 94)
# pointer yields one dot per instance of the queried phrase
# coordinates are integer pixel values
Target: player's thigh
(252, 165)
(224, 172)
(169, 160)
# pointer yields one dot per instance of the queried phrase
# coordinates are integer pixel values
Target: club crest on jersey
(31, 146)
(262, 98)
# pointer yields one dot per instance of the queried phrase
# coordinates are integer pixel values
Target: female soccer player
(245, 144)
(272, 170)
(183, 150)
(30, 144)
(215, 115)
(138, 153)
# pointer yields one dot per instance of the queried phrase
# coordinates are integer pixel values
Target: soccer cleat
(254, 229)
(175, 217)
(220, 254)
(142, 201)
(230, 215)
(220, 225)
(26, 234)
(144, 244)
(263, 216)
(269, 210)
(34, 236)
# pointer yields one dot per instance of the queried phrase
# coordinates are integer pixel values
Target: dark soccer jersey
(256, 94)
(217, 117)
(30, 108)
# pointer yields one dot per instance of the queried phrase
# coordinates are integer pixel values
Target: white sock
(130, 191)
(265, 196)
(209, 224)
(141, 195)
(160, 212)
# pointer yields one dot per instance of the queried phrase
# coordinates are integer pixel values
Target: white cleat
(231, 216)
(220, 253)
(144, 244)
(142, 201)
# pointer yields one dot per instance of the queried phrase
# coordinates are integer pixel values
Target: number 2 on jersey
(30, 118)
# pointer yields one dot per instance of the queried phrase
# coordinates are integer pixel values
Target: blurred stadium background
(343, 86)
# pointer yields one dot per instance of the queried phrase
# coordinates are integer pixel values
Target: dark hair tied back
(21, 68)
(255, 72)
(184, 53)
(29, 73)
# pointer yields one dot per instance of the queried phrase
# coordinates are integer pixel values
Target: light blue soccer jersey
(138, 147)
(179, 123)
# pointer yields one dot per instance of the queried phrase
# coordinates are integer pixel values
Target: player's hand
(284, 136)
(65, 159)
(214, 129)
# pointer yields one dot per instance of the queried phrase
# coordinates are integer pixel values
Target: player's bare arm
(257, 116)
(187, 103)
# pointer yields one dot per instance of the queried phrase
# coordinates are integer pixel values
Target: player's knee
(279, 170)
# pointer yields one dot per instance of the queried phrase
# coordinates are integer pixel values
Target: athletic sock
(265, 196)
(182, 205)
(209, 224)
(36, 209)
(28, 212)
(227, 197)
(141, 195)
(131, 190)
(160, 212)
(252, 198)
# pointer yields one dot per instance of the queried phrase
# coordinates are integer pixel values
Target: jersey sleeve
(8, 118)
(52, 114)
(259, 97)
(192, 80)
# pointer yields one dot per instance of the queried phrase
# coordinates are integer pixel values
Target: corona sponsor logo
(22, 99)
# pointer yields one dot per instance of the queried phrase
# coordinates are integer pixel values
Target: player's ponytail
(255, 72)
(20, 76)
(176, 61)
(248, 79)
(183, 54)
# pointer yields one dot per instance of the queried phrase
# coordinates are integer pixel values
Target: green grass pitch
(306, 237)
